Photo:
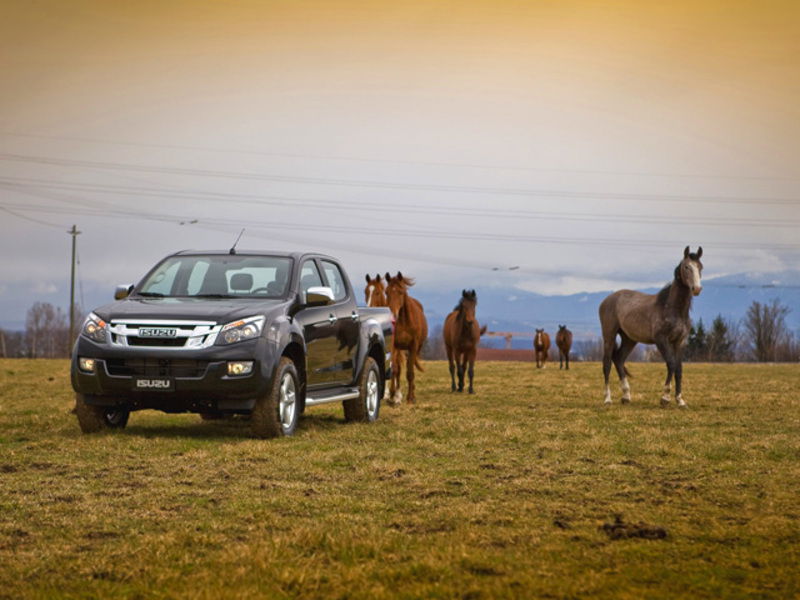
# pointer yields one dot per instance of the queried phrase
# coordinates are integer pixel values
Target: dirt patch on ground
(620, 530)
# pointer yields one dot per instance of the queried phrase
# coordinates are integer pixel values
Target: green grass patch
(500, 494)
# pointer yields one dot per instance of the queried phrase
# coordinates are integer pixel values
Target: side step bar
(317, 400)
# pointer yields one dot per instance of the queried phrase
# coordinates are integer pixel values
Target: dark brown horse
(661, 319)
(410, 332)
(564, 343)
(462, 334)
(541, 346)
(374, 293)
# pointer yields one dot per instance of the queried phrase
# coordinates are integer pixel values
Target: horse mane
(663, 294)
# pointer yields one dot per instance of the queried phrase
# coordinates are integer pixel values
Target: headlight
(239, 331)
(95, 328)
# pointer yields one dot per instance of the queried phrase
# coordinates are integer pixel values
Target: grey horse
(661, 319)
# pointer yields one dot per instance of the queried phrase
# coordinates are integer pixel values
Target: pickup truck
(261, 334)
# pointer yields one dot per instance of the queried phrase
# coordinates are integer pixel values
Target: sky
(584, 142)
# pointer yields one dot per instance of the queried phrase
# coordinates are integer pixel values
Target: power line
(329, 157)
(31, 219)
(394, 185)
(428, 209)
(414, 233)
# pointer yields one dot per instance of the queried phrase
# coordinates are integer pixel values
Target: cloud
(44, 287)
(565, 286)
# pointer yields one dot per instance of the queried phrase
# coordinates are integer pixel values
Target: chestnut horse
(564, 343)
(374, 293)
(461, 337)
(541, 345)
(661, 319)
(410, 332)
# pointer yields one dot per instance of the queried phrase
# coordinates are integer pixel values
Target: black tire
(367, 406)
(98, 418)
(276, 413)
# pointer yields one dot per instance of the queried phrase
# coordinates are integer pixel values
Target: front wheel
(276, 412)
(367, 406)
(97, 418)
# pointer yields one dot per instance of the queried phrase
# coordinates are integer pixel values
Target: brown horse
(374, 293)
(410, 332)
(461, 337)
(661, 319)
(564, 343)
(541, 345)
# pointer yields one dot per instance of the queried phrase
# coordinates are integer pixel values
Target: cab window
(335, 280)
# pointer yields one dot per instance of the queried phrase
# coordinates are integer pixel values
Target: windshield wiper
(151, 294)
(211, 296)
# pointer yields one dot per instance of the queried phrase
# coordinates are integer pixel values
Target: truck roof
(294, 255)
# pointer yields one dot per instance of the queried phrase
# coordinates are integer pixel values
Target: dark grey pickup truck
(218, 333)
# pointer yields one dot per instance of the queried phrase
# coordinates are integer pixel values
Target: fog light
(240, 367)
(86, 365)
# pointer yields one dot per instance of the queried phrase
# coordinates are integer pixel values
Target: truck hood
(223, 310)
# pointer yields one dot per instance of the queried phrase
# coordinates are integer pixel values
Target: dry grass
(501, 494)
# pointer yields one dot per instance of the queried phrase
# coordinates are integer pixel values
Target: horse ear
(699, 252)
(463, 292)
(388, 277)
(378, 277)
(686, 252)
(368, 279)
(399, 275)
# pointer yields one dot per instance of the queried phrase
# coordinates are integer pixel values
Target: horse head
(397, 292)
(690, 269)
(467, 304)
(374, 292)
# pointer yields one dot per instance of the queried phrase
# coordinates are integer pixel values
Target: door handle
(332, 319)
(354, 316)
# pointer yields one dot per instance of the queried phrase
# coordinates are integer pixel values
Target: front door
(319, 330)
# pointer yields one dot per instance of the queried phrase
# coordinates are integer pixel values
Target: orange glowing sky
(681, 99)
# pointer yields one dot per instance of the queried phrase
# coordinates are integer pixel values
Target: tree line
(762, 335)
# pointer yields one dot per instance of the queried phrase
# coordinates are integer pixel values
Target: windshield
(220, 276)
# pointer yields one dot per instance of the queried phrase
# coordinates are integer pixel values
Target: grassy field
(501, 494)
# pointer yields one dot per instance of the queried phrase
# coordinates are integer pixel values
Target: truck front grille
(157, 342)
(156, 367)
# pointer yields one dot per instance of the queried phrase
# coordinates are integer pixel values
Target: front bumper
(200, 376)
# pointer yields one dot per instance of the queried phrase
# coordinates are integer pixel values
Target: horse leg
(679, 378)
(560, 360)
(461, 363)
(396, 394)
(669, 358)
(567, 353)
(412, 358)
(452, 369)
(608, 351)
(620, 355)
(471, 371)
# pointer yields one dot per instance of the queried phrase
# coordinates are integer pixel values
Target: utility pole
(74, 233)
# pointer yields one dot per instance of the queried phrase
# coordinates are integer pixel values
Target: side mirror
(123, 291)
(319, 296)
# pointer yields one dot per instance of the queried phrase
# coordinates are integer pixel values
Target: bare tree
(765, 325)
(46, 331)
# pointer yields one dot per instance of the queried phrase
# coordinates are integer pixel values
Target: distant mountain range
(514, 310)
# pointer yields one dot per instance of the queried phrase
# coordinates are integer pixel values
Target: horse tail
(418, 364)
(628, 374)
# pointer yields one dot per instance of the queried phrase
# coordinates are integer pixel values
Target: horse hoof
(625, 400)
(665, 402)
(472, 391)
(607, 402)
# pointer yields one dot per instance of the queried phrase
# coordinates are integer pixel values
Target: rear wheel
(97, 418)
(367, 406)
(276, 413)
